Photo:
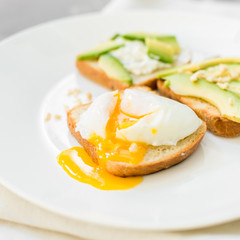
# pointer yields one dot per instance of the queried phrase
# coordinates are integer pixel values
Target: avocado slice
(100, 49)
(193, 67)
(181, 84)
(114, 68)
(142, 36)
(115, 36)
(173, 42)
(164, 51)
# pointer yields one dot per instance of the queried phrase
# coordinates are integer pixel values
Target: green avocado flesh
(142, 36)
(181, 84)
(234, 86)
(114, 68)
(173, 43)
(193, 67)
(99, 50)
(164, 51)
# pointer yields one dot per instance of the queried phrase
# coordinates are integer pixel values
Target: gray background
(16, 15)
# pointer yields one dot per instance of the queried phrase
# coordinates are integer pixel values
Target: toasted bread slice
(91, 70)
(217, 124)
(155, 159)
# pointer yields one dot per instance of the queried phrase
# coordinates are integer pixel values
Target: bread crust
(100, 77)
(143, 168)
(89, 148)
(125, 169)
(217, 124)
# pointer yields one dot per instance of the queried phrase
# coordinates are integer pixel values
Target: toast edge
(217, 124)
(126, 170)
(100, 77)
(89, 148)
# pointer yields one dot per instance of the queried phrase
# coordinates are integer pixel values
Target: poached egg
(121, 126)
(138, 116)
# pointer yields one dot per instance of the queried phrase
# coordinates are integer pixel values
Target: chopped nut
(133, 147)
(193, 78)
(75, 92)
(58, 117)
(89, 95)
(79, 101)
(224, 85)
(48, 117)
(220, 75)
(197, 75)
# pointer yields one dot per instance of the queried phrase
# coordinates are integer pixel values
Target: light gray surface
(19, 14)
(16, 15)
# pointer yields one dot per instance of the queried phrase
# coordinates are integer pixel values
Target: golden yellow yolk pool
(86, 171)
(77, 163)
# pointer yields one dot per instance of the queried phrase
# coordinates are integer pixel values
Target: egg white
(164, 121)
(159, 120)
(95, 118)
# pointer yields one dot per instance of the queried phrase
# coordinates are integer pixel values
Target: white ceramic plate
(37, 70)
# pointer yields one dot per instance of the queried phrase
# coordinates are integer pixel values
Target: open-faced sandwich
(135, 132)
(211, 88)
(130, 59)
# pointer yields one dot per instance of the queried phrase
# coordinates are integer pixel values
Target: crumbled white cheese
(221, 75)
(224, 85)
(234, 74)
(225, 79)
(197, 75)
(194, 78)
(135, 59)
(210, 78)
(222, 69)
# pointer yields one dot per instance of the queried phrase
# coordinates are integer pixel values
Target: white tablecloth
(23, 220)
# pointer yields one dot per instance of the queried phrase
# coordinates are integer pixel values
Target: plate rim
(212, 221)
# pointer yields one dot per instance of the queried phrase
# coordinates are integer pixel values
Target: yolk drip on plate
(77, 163)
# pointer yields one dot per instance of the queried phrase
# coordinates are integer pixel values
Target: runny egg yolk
(77, 163)
(114, 149)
